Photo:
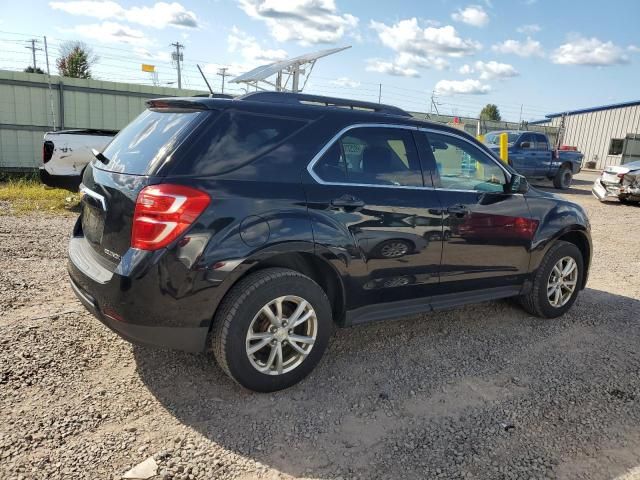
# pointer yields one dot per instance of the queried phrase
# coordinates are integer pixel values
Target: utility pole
(33, 51)
(434, 105)
(177, 56)
(46, 56)
(520, 122)
(223, 73)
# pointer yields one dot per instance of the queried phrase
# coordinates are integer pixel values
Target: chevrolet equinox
(250, 227)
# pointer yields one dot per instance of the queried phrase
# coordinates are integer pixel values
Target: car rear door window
(462, 166)
(234, 139)
(541, 142)
(372, 156)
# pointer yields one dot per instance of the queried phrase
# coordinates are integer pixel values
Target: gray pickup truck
(531, 154)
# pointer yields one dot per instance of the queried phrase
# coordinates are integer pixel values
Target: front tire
(563, 178)
(271, 329)
(556, 283)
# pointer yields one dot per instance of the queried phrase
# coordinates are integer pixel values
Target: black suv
(252, 226)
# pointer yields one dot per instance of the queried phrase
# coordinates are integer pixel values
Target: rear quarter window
(232, 140)
(143, 144)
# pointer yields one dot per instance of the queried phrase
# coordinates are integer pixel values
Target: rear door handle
(458, 210)
(347, 201)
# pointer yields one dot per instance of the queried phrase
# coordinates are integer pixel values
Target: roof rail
(306, 99)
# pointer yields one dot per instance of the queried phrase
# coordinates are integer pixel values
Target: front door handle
(458, 210)
(347, 201)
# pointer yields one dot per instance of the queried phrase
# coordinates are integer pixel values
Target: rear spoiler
(85, 131)
(175, 104)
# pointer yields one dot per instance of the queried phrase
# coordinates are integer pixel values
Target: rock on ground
(485, 391)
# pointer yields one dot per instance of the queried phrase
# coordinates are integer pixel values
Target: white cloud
(589, 51)
(250, 49)
(467, 87)
(408, 36)
(390, 68)
(307, 22)
(159, 15)
(89, 8)
(527, 48)
(248, 52)
(405, 59)
(530, 28)
(158, 56)
(633, 48)
(111, 32)
(490, 70)
(345, 82)
(472, 15)
(418, 47)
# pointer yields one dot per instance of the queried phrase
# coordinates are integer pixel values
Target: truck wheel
(563, 178)
(271, 329)
(556, 283)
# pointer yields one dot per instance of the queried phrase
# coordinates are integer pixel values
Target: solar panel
(265, 71)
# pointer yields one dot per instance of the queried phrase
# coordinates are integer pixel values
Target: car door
(523, 155)
(488, 231)
(373, 216)
(543, 155)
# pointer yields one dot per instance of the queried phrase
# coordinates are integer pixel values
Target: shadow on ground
(485, 390)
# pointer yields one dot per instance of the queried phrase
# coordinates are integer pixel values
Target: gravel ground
(485, 391)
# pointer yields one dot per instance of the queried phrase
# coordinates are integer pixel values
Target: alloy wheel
(281, 335)
(562, 281)
(394, 250)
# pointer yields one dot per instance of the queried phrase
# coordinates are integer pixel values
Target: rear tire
(243, 323)
(563, 178)
(539, 301)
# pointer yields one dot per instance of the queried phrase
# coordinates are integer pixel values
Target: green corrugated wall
(25, 110)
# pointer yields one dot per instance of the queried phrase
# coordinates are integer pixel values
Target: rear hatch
(132, 161)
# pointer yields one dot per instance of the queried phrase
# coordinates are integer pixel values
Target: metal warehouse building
(607, 135)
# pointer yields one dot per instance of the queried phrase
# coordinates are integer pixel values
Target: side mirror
(517, 184)
(525, 145)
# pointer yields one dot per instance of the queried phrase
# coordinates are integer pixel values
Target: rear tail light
(163, 213)
(525, 227)
(47, 151)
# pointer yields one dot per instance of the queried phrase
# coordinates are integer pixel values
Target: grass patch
(27, 195)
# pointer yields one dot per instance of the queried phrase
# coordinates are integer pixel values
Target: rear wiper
(99, 156)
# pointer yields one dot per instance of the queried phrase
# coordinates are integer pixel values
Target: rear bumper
(137, 307)
(66, 182)
(186, 339)
(606, 192)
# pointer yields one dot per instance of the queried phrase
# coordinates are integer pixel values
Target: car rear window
(143, 144)
(233, 139)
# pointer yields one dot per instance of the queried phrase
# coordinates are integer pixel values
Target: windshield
(494, 137)
(142, 144)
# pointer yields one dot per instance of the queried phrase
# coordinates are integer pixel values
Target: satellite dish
(286, 70)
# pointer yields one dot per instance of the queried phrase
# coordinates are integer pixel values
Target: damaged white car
(619, 182)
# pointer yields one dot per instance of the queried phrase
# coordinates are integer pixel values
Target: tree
(76, 60)
(30, 69)
(490, 112)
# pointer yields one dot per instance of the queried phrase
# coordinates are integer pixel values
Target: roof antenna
(205, 80)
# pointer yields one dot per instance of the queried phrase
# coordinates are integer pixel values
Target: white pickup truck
(66, 153)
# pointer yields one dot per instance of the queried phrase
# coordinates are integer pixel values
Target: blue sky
(545, 55)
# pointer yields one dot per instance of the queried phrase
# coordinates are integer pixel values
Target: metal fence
(31, 106)
(474, 126)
